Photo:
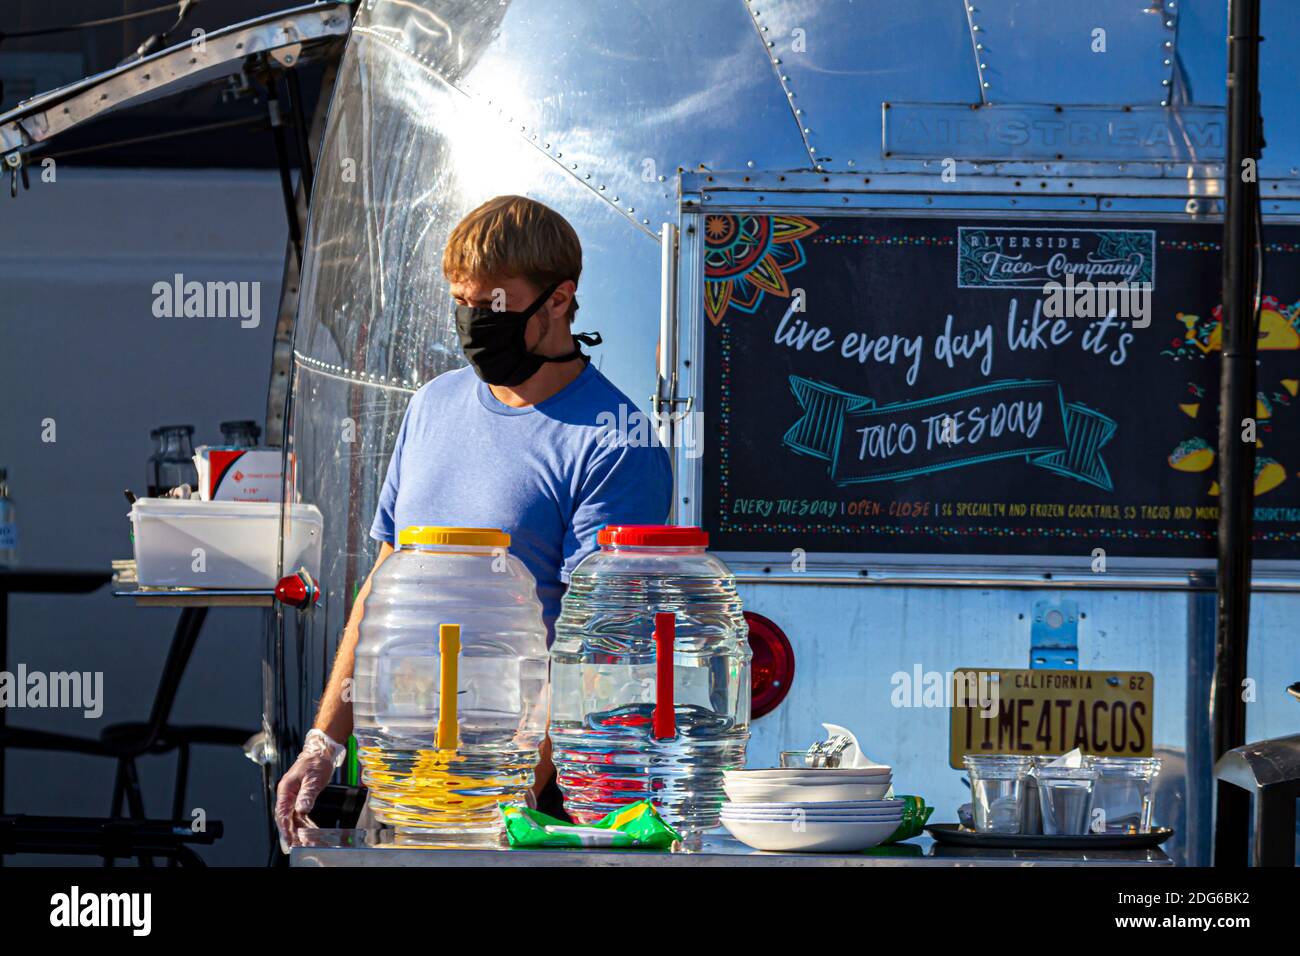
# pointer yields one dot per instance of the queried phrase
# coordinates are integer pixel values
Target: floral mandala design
(747, 256)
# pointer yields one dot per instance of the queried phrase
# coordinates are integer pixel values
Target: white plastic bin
(236, 542)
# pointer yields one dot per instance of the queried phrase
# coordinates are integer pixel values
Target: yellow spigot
(449, 656)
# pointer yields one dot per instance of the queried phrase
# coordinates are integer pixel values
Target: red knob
(297, 590)
(772, 668)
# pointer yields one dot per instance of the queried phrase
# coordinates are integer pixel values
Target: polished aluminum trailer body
(625, 116)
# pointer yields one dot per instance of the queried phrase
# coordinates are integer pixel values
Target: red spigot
(665, 716)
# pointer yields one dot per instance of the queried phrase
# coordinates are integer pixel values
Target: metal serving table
(375, 848)
(197, 597)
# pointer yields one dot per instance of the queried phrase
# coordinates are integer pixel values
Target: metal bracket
(665, 396)
(1054, 635)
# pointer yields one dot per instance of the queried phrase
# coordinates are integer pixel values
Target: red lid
(653, 535)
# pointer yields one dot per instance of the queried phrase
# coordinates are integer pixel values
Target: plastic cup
(997, 786)
(1065, 796)
(1125, 793)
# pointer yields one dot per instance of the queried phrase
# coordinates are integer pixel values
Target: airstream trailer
(806, 226)
(851, 258)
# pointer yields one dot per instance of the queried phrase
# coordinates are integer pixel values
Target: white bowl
(806, 776)
(813, 836)
(824, 781)
(791, 819)
(820, 806)
(807, 810)
(786, 774)
(804, 793)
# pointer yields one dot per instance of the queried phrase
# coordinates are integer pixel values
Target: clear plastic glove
(302, 784)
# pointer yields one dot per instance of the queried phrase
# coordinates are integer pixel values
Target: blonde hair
(513, 236)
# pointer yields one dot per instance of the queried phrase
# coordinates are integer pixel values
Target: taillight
(298, 590)
(772, 669)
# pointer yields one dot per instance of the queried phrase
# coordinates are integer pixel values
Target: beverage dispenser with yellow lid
(450, 692)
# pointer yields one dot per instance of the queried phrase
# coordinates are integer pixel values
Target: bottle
(176, 458)
(8, 527)
(649, 678)
(449, 688)
(240, 434)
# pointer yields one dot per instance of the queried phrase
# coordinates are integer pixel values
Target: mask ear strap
(539, 301)
(588, 339)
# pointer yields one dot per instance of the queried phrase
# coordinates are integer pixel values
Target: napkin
(852, 757)
(1071, 761)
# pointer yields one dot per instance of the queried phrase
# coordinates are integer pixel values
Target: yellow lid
(430, 534)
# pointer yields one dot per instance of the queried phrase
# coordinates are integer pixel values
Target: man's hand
(299, 788)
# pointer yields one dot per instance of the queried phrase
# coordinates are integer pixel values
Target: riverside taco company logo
(1014, 257)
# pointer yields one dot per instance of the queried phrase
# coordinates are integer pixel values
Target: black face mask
(495, 346)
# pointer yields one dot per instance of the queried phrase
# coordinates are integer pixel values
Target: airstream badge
(1068, 133)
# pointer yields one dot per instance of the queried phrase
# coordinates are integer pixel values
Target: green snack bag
(915, 815)
(636, 825)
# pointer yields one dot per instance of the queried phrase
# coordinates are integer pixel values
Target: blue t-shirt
(551, 474)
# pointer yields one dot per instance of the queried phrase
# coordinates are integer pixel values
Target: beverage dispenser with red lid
(650, 678)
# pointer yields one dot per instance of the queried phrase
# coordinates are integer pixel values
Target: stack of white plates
(800, 784)
(803, 809)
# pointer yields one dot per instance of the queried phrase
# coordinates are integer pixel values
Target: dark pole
(282, 161)
(300, 132)
(1241, 265)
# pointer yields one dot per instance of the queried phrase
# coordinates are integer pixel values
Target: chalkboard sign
(914, 385)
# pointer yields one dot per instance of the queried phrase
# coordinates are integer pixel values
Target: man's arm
(335, 714)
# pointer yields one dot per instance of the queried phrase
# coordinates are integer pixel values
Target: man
(511, 442)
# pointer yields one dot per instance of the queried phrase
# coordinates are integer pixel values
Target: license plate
(1104, 713)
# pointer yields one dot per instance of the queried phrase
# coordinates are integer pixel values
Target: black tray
(954, 834)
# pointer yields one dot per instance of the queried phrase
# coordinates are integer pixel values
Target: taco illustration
(1275, 328)
(1268, 475)
(1263, 407)
(1195, 454)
